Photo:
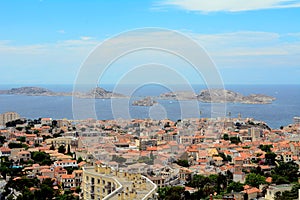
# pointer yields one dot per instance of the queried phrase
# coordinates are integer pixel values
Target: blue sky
(251, 42)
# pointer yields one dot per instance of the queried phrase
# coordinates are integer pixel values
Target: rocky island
(178, 95)
(98, 93)
(219, 96)
(207, 96)
(147, 101)
(33, 91)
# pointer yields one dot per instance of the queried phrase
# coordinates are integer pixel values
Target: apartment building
(7, 117)
(102, 182)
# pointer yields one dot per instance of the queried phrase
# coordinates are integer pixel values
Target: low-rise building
(66, 163)
(62, 141)
(271, 191)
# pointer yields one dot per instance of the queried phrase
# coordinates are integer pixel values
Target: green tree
(235, 140)
(22, 139)
(171, 193)
(69, 150)
(118, 159)
(19, 128)
(70, 169)
(278, 179)
(235, 187)
(52, 147)
(255, 180)
(41, 158)
(67, 197)
(79, 160)
(288, 171)
(62, 149)
(145, 159)
(13, 145)
(2, 139)
(226, 136)
(183, 163)
(266, 148)
(270, 158)
(198, 181)
(229, 158)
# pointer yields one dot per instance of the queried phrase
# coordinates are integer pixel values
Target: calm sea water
(280, 112)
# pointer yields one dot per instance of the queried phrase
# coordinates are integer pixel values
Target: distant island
(206, 96)
(33, 91)
(98, 93)
(147, 101)
(219, 96)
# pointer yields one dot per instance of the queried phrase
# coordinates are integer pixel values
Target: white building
(66, 163)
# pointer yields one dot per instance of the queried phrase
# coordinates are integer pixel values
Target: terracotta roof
(252, 190)
(65, 176)
(269, 179)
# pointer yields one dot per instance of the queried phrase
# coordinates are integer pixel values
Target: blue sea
(280, 112)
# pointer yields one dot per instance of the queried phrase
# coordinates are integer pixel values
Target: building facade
(102, 182)
(8, 117)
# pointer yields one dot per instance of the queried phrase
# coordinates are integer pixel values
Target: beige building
(70, 181)
(64, 141)
(271, 191)
(24, 155)
(7, 117)
(101, 182)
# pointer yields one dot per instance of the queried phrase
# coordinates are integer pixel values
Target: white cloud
(228, 50)
(85, 38)
(61, 31)
(245, 43)
(231, 5)
(248, 49)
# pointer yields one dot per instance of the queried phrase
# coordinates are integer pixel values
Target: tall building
(7, 117)
(102, 182)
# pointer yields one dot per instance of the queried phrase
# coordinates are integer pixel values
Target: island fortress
(103, 182)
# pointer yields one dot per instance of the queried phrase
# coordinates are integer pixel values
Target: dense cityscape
(199, 158)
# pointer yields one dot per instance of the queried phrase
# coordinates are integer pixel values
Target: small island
(97, 93)
(219, 96)
(147, 101)
(33, 91)
(228, 96)
(178, 95)
(206, 96)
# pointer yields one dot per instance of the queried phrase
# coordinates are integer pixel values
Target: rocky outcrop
(38, 91)
(209, 96)
(222, 96)
(179, 95)
(100, 93)
(147, 101)
(29, 91)
(219, 96)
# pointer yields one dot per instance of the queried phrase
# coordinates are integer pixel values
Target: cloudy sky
(250, 42)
